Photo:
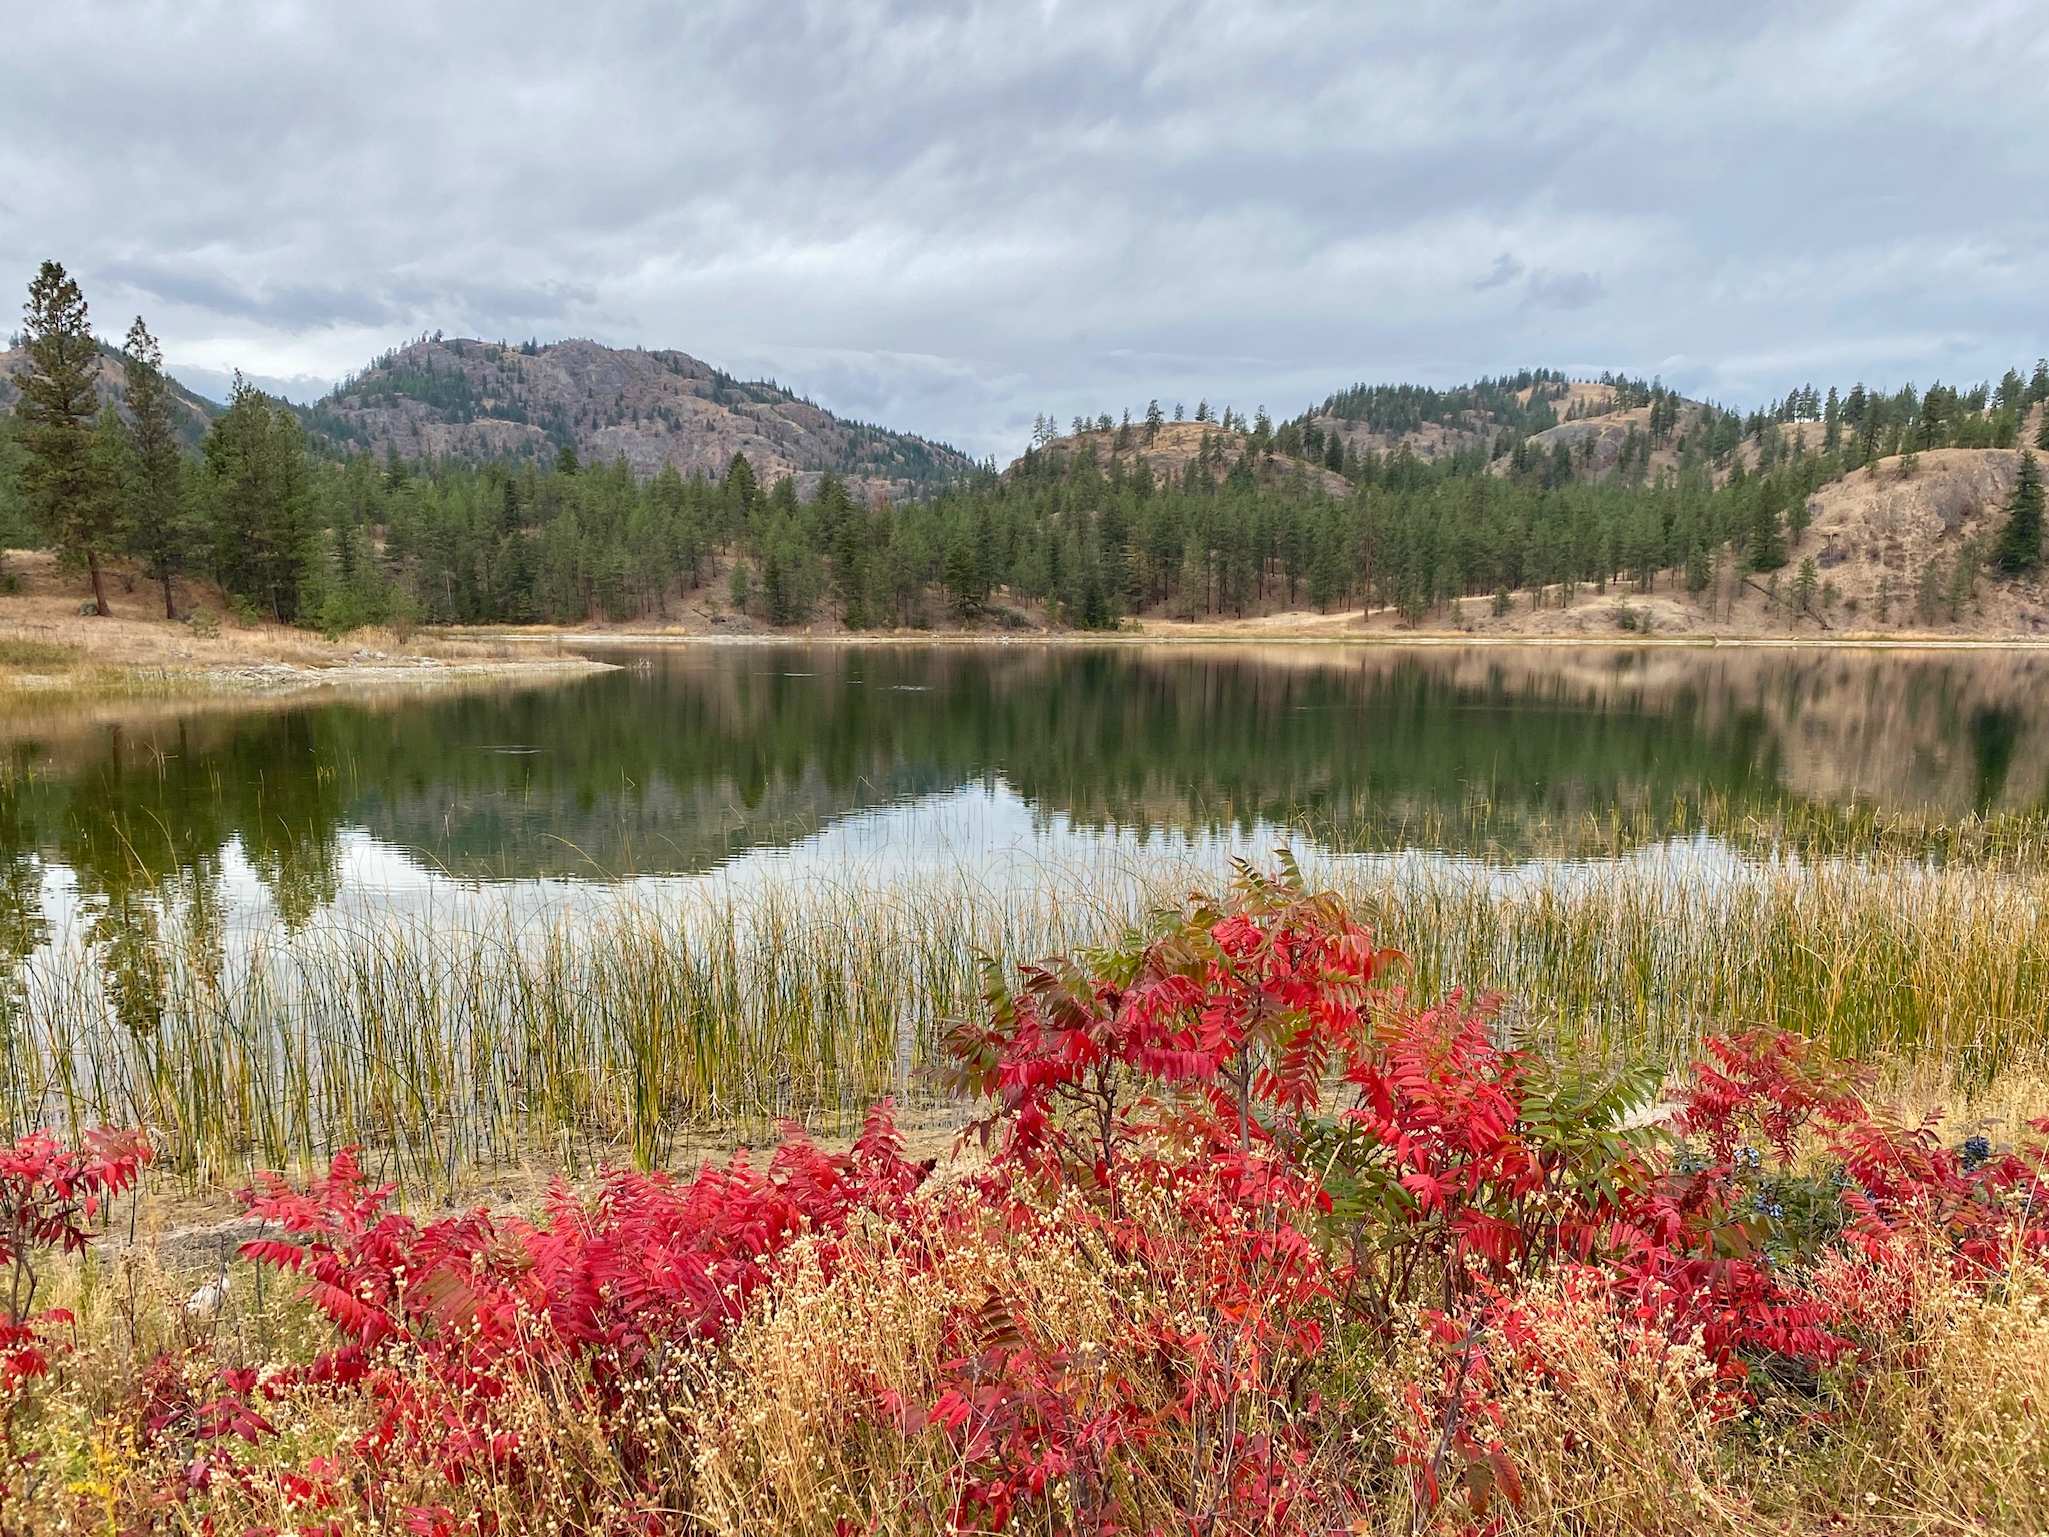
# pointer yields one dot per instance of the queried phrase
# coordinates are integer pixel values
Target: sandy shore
(418, 671)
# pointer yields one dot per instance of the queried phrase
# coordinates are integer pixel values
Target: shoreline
(425, 671)
(130, 683)
(289, 665)
(636, 639)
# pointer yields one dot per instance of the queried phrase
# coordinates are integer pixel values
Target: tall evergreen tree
(59, 401)
(158, 529)
(259, 497)
(1765, 546)
(2019, 549)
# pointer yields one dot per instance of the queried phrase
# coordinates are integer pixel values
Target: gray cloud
(1506, 270)
(1564, 290)
(950, 219)
(217, 384)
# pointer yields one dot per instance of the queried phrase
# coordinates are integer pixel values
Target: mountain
(1499, 426)
(1510, 424)
(191, 411)
(475, 400)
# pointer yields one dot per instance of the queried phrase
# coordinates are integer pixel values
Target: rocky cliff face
(481, 400)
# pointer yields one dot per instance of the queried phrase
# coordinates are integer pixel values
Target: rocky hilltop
(1170, 451)
(476, 400)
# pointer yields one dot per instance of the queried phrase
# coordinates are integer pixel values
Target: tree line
(1085, 537)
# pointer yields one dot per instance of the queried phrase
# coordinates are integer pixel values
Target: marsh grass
(629, 1026)
(19, 651)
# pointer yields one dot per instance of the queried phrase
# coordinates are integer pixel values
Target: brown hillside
(191, 412)
(1887, 548)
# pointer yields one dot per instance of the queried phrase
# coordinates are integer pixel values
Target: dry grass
(51, 654)
(1610, 1427)
(1945, 1432)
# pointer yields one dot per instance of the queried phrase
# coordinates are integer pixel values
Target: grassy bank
(627, 1027)
(54, 657)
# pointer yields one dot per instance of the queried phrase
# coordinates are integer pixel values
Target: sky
(951, 218)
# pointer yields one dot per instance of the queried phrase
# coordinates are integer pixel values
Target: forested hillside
(422, 492)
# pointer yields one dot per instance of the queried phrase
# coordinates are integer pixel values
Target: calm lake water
(740, 760)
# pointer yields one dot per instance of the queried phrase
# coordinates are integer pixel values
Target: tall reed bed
(625, 1026)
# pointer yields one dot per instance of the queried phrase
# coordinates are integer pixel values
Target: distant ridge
(192, 411)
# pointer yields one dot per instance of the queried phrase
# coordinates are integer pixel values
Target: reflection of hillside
(1948, 732)
(657, 829)
(712, 751)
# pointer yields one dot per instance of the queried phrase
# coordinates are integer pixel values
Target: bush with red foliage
(50, 1196)
(438, 1322)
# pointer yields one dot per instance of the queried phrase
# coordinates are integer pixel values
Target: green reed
(629, 1027)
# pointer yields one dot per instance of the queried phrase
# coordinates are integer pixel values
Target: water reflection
(707, 756)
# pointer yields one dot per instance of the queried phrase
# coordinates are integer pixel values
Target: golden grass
(1944, 1430)
(53, 656)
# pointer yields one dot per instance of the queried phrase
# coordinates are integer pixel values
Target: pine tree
(259, 497)
(740, 487)
(1804, 588)
(159, 530)
(1766, 546)
(1798, 517)
(2019, 550)
(966, 582)
(59, 402)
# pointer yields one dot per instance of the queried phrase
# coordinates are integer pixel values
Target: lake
(727, 883)
(737, 759)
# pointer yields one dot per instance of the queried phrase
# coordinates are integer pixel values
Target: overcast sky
(948, 218)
